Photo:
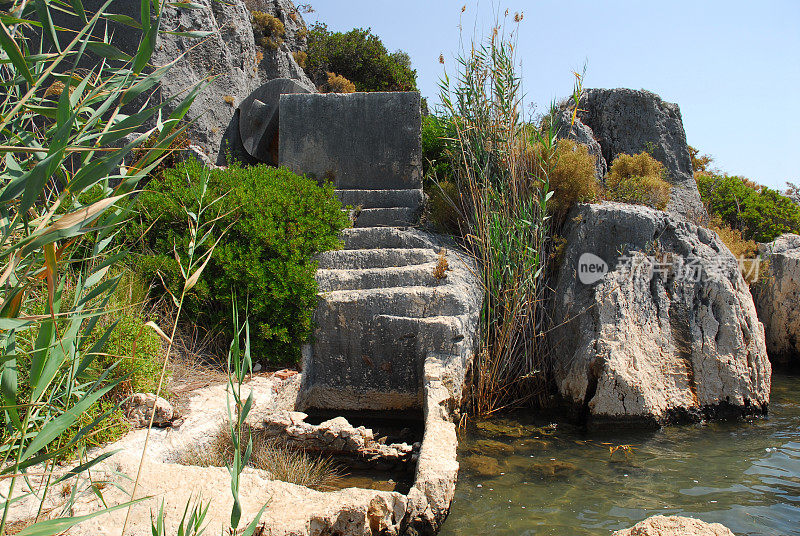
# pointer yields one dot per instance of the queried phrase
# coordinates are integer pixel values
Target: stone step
(366, 304)
(381, 198)
(361, 259)
(395, 276)
(388, 217)
(386, 237)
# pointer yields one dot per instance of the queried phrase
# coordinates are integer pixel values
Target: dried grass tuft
(442, 266)
(281, 462)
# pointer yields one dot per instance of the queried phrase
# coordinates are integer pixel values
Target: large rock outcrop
(778, 298)
(674, 526)
(654, 320)
(631, 121)
(232, 57)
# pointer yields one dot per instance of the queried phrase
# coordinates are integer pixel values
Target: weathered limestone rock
(631, 121)
(231, 58)
(581, 133)
(778, 298)
(139, 407)
(674, 526)
(281, 62)
(667, 331)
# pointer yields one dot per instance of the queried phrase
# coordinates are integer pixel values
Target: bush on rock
(639, 180)
(361, 57)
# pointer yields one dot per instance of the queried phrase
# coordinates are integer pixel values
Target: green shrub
(359, 56)
(573, 177)
(436, 131)
(759, 213)
(638, 179)
(277, 223)
(132, 356)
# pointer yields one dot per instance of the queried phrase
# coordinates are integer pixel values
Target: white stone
(674, 526)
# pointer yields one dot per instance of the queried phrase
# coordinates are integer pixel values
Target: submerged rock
(482, 465)
(553, 469)
(492, 447)
(674, 526)
(498, 428)
(653, 320)
(630, 121)
(778, 298)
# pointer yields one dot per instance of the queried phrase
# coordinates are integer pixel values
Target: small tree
(793, 192)
(361, 57)
(700, 162)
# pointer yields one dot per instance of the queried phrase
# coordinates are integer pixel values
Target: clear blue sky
(732, 66)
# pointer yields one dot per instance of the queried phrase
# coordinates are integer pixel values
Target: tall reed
(67, 171)
(501, 167)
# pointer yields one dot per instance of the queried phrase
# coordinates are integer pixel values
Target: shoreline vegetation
(130, 267)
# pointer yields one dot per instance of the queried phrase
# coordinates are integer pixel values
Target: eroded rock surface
(675, 526)
(231, 58)
(778, 298)
(631, 121)
(668, 332)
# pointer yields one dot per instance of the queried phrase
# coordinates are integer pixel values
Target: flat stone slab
(360, 141)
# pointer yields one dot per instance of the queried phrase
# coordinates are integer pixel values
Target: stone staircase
(381, 208)
(382, 313)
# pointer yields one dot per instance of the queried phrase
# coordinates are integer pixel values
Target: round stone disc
(258, 118)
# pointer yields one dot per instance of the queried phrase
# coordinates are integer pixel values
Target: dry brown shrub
(271, 28)
(745, 251)
(300, 57)
(639, 180)
(339, 84)
(442, 266)
(573, 178)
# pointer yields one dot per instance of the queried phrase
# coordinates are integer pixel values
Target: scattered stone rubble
(138, 409)
(336, 436)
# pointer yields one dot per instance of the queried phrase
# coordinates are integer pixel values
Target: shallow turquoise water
(564, 481)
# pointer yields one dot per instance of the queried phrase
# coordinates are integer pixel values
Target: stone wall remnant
(368, 141)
